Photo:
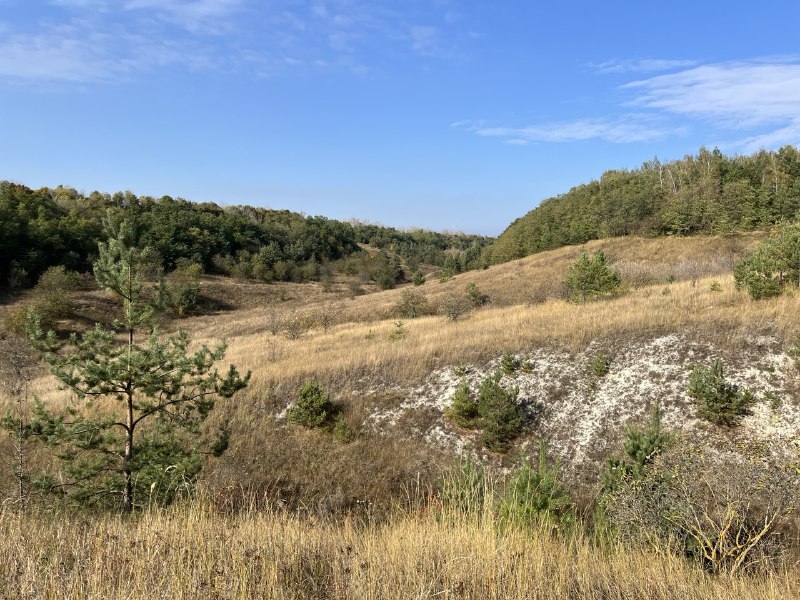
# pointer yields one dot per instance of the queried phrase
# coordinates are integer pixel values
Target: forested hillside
(707, 193)
(48, 227)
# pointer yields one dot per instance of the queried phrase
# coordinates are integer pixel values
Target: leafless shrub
(326, 315)
(294, 325)
(454, 306)
(725, 506)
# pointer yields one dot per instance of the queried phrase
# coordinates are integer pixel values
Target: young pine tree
(143, 400)
(590, 278)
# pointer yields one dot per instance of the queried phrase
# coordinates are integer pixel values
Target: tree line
(708, 193)
(61, 227)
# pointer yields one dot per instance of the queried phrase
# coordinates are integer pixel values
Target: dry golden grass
(524, 311)
(355, 351)
(355, 355)
(193, 552)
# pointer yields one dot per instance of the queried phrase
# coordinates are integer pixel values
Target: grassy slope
(367, 373)
(195, 551)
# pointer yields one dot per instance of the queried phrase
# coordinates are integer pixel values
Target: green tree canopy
(137, 426)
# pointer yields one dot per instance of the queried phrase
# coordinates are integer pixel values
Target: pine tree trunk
(127, 498)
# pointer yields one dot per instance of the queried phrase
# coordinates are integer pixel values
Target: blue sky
(446, 114)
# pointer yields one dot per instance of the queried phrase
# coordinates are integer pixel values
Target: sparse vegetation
(718, 400)
(725, 509)
(599, 365)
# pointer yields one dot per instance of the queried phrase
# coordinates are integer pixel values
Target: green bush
(535, 495)
(313, 408)
(183, 290)
(454, 306)
(639, 450)
(463, 409)
(412, 305)
(500, 416)
(474, 295)
(717, 400)
(772, 266)
(53, 294)
(591, 278)
(509, 363)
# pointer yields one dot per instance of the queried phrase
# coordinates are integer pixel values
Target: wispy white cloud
(626, 129)
(733, 94)
(641, 65)
(112, 39)
(757, 100)
(788, 134)
(76, 52)
(206, 16)
(93, 4)
(425, 40)
(42, 58)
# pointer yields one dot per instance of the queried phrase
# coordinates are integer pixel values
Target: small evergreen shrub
(591, 278)
(500, 416)
(509, 363)
(639, 450)
(599, 365)
(399, 332)
(313, 408)
(718, 400)
(463, 409)
(535, 495)
(342, 430)
(417, 278)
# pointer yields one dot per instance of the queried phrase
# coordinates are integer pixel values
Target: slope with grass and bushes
(375, 377)
(704, 193)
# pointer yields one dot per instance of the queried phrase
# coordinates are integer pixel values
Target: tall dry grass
(193, 552)
(355, 351)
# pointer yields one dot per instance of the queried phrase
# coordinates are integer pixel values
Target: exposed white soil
(583, 417)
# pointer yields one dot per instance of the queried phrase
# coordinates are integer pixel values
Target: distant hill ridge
(60, 226)
(706, 193)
